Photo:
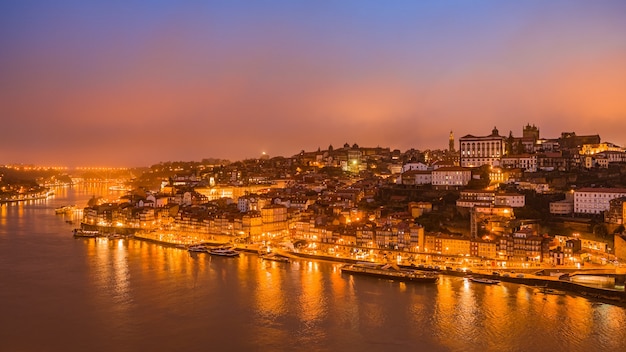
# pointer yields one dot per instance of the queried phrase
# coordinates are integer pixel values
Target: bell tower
(451, 142)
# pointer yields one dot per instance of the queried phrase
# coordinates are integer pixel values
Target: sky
(134, 83)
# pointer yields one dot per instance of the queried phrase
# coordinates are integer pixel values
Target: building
(478, 151)
(499, 175)
(247, 203)
(595, 200)
(416, 177)
(616, 212)
(495, 219)
(526, 162)
(274, 217)
(563, 207)
(447, 245)
(521, 246)
(612, 156)
(451, 177)
(414, 166)
(469, 199)
(417, 209)
(513, 200)
(569, 140)
(620, 246)
(483, 249)
(591, 149)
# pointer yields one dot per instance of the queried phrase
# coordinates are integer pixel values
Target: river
(58, 293)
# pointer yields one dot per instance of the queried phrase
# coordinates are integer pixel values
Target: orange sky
(130, 85)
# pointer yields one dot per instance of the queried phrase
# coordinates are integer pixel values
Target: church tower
(451, 142)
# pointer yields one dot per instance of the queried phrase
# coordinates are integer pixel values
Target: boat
(85, 233)
(551, 291)
(484, 280)
(66, 209)
(389, 271)
(224, 252)
(197, 249)
(274, 257)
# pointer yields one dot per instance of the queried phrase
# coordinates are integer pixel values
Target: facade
(562, 207)
(513, 200)
(483, 249)
(414, 166)
(274, 218)
(616, 212)
(247, 203)
(526, 162)
(550, 161)
(521, 246)
(416, 177)
(469, 199)
(595, 200)
(417, 209)
(620, 247)
(447, 245)
(451, 177)
(478, 151)
(590, 149)
(613, 156)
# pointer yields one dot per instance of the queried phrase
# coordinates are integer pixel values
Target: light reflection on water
(128, 295)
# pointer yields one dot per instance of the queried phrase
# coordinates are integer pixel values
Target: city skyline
(135, 84)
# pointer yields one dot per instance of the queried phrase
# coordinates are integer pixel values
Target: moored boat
(551, 291)
(198, 249)
(224, 252)
(484, 280)
(85, 233)
(274, 257)
(64, 209)
(389, 271)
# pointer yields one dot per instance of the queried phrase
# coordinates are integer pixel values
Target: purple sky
(132, 83)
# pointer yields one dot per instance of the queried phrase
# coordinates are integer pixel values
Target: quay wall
(127, 231)
(603, 294)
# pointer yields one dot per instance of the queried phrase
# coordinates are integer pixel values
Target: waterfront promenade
(544, 276)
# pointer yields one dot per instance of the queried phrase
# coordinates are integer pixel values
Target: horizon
(139, 83)
(200, 160)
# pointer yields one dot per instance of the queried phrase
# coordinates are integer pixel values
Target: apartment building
(595, 200)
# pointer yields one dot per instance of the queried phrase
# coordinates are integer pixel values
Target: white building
(451, 177)
(469, 199)
(513, 200)
(478, 151)
(595, 200)
(414, 166)
(613, 156)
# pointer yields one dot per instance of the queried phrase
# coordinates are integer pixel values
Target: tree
(600, 230)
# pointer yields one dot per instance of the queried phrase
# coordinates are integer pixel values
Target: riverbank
(24, 197)
(607, 295)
